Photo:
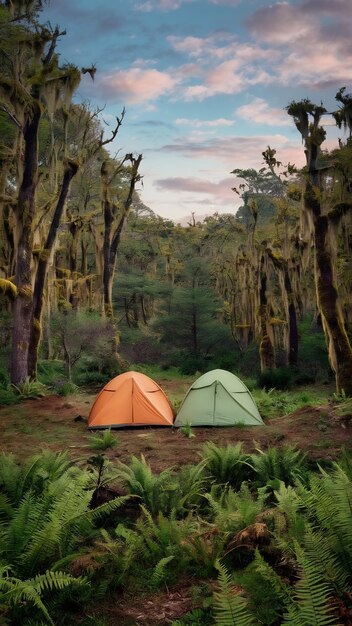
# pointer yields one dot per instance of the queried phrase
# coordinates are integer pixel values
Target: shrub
(280, 378)
(65, 388)
(30, 389)
(50, 371)
(8, 396)
(4, 378)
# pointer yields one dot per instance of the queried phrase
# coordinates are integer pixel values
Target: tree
(32, 82)
(116, 204)
(320, 222)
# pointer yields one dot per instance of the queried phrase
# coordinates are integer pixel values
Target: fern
(13, 591)
(233, 511)
(155, 490)
(313, 599)
(329, 507)
(160, 573)
(281, 589)
(284, 464)
(227, 465)
(229, 609)
(103, 441)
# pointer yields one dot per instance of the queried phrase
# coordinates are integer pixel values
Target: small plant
(227, 465)
(187, 430)
(104, 441)
(30, 389)
(65, 388)
(278, 464)
(339, 396)
(8, 396)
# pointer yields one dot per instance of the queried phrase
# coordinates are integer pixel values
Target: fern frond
(313, 598)
(159, 573)
(230, 609)
(15, 591)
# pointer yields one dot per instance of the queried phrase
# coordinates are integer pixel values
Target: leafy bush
(8, 396)
(49, 372)
(92, 378)
(30, 389)
(64, 388)
(273, 403)
(4, 378)
(153, 489)
(280, 378)
(231, 511)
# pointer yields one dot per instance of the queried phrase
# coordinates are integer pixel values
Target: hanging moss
(64, 305)
(37, 328)
(25, 292)
(276, 321)
(8, 288)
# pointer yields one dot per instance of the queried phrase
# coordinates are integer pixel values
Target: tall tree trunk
(23, 303)
(339, 347)
(71, 168)
(323, 226)
(112, 234)
(266, 347)
(292, 320)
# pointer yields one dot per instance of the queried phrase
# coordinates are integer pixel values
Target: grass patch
(275, 403)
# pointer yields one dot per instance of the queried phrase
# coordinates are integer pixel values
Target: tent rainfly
(218, 398)
(131, 399)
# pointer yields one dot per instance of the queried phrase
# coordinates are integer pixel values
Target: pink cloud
(136, 85)
(313, 51)
(237, 151)
(280, 23)
(226, 66)
(220, 191)
(259, 112)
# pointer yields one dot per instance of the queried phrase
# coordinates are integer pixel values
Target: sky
(205, 84)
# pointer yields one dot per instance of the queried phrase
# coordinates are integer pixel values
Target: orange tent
(131, 399)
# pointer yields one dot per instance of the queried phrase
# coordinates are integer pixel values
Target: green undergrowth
(261, 538)
(274, 403)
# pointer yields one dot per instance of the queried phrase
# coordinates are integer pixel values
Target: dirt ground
(60, 423)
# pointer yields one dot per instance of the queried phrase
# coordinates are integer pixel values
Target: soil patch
(60, 423)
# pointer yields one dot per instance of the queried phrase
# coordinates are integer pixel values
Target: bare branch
(55, 35)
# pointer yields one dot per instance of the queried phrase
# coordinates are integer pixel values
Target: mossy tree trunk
(22, 307)
(266, 345)
(71, 168)
(323, 225)
(114, 219)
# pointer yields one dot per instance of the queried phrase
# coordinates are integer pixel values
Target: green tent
(218, 398)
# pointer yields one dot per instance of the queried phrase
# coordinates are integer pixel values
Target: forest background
(93, 280)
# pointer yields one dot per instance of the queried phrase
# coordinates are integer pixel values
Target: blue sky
(205, 83)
